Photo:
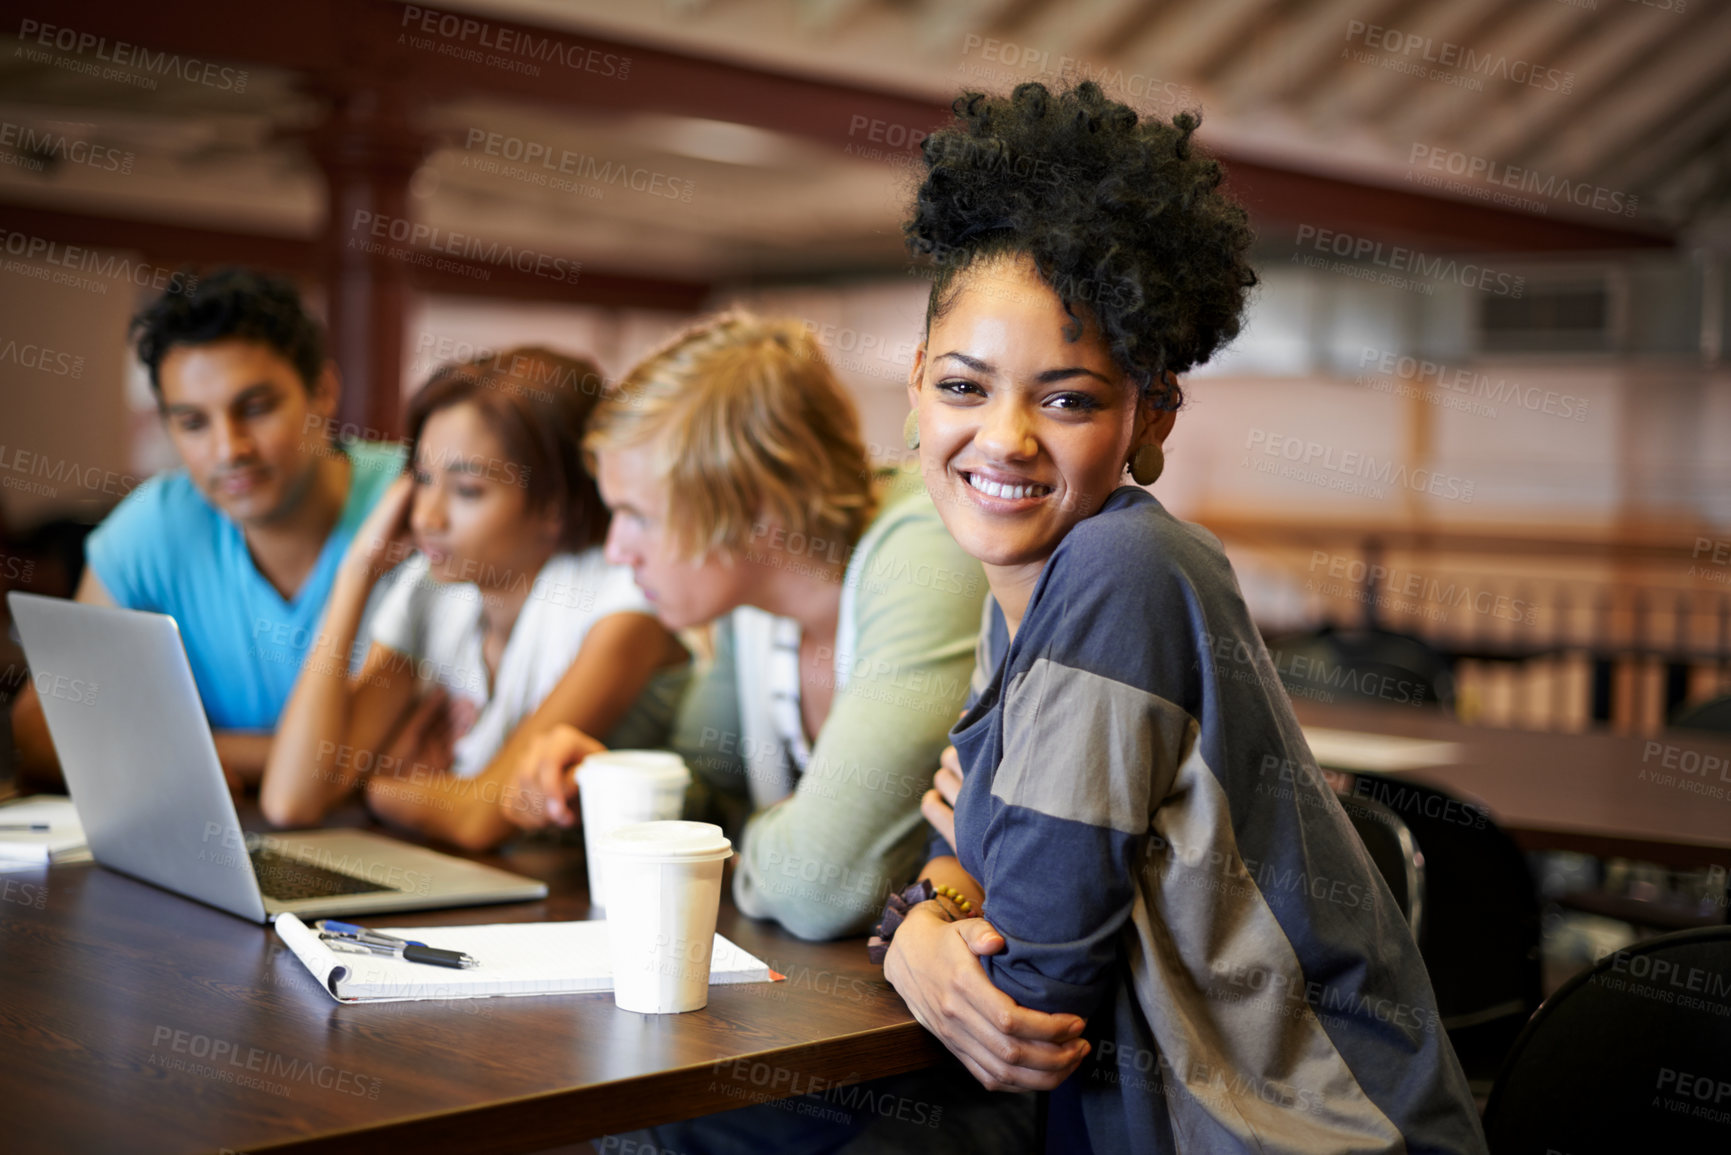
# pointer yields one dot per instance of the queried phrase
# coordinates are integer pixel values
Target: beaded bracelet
(896, 912)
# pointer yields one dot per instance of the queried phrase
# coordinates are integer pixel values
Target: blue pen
(351, 930)
(348, 935)
(409, 951)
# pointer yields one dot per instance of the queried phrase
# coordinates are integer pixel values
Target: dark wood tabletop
(137, 1021)
(134, 1020)
(1664, 798)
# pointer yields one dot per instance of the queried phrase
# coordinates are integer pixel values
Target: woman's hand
(939, 803)
(427, 737)
(546, 778)
(384, 538)
(407, 774)
(934, 965)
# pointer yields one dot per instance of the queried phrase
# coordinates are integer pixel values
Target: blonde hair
(748, 424)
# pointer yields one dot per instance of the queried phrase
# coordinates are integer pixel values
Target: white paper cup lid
(670, 841)
(641, 765)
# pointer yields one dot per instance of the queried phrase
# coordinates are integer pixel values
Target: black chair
(1480, 932)
(1394, 851)
(1713, 715)
(1630, 1055)
(1363, 666)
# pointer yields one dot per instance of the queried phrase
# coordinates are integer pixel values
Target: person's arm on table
(613, 666)
(706, 735)
(244, 754)
(332, 725)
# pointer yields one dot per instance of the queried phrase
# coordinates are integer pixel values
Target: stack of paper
(517, 958)
(63, 841)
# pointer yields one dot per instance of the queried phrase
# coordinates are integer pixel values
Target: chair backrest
(1480, 931)
(1714, 714)
(1632, 1054)
(1394, 851)
(1363, 666)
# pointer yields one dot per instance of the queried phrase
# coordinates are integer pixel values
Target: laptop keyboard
(287, 878)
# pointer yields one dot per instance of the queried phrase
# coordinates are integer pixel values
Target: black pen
(414, 952)
(33, 826)
(365, 934)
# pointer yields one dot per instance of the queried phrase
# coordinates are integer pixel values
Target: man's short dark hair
(229, 304)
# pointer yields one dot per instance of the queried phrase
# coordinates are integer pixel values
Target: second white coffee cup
(619, 787)
(666, 883)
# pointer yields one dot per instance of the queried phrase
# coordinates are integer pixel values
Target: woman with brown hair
(505, 618)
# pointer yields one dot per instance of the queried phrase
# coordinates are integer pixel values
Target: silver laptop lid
(136, 748)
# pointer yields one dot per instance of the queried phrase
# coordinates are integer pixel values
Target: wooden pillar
(368, 148)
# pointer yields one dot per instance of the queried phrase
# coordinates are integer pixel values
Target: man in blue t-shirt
(242, 543)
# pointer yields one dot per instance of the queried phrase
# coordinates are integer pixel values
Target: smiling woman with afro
(1142, 895)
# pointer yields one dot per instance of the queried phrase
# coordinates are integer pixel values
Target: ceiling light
(718, 140)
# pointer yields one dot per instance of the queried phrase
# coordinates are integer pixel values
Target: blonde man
(844, 617)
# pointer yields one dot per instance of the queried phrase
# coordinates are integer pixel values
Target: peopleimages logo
(1135, 86)
(56, 471)
(1399, 259)
(33, 149)
(1440, 383)
(1480, 168)
(1354, 575)
(119, 52)
(1349, 470)
(80, 259)
(543, 164)
(422, 244)
(32, 356)
(1448, 54)
(896, 136)
(512, 50)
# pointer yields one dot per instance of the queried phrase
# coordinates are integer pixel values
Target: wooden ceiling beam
(1279, 197)
(1664, 87)
(171, 246)
(1599, 62)
(389, 42)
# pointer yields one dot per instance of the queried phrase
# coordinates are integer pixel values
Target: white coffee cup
(619, 787)
(666, 884)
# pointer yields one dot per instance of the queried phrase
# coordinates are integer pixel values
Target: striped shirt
(1163, 858)
(785, 704)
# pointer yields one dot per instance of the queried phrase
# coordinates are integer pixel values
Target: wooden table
(129, 1019)
(1611, 795)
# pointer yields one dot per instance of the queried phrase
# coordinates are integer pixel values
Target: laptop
(141, 766)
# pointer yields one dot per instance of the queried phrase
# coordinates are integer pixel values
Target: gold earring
(911, 429)
(1147, 464)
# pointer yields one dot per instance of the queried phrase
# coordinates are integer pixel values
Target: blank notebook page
(517, 958)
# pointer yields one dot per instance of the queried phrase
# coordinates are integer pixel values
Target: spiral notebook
(517, 958)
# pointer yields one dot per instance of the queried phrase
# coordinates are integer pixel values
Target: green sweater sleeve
(821, 861)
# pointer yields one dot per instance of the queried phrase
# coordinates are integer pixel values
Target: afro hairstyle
(1121, 216)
